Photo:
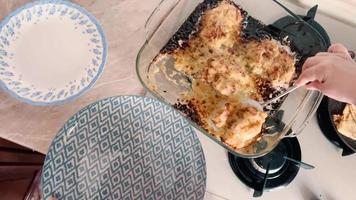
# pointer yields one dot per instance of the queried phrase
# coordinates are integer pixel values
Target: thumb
(339, 49)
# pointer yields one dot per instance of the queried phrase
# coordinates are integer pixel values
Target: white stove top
(334, 176)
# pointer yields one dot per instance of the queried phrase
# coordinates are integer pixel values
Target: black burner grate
(305, 40)
(281, 172)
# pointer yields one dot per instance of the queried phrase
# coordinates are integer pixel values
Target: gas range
(230, 177)
(276, 169)
(333, 177)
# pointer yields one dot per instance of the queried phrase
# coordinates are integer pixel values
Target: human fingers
(312, 61)
(339, 49)
(316, 73)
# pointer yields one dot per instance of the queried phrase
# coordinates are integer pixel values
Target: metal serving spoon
(261, 105)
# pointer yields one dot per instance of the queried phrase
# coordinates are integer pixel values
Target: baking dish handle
(299, 130)
(154, 22)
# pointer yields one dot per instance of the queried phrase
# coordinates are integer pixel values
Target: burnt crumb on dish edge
(189, 110)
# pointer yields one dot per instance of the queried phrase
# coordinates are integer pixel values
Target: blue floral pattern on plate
(125, 148)
(32, 14)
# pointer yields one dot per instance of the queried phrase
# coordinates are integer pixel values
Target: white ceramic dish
(51, 51)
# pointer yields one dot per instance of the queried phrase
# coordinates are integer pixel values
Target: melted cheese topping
(240, 124)
(225, 69)
(346, 123)
(224, 117)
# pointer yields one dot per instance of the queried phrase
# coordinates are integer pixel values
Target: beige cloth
(123, 22)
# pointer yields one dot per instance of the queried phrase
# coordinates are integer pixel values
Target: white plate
(51, 51)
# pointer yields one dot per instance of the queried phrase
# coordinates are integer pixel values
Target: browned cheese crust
(226, 68)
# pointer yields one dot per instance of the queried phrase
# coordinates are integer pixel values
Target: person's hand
(333, 73)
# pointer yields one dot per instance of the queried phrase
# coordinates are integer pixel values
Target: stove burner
(305, 40)
(275, 159)
(281, 172)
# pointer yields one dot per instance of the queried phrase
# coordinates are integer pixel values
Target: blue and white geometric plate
(51, 51)
(125, 148)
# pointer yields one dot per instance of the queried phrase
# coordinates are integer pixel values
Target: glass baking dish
(293, 114)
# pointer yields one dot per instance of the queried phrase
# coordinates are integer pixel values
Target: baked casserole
(224, 67)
